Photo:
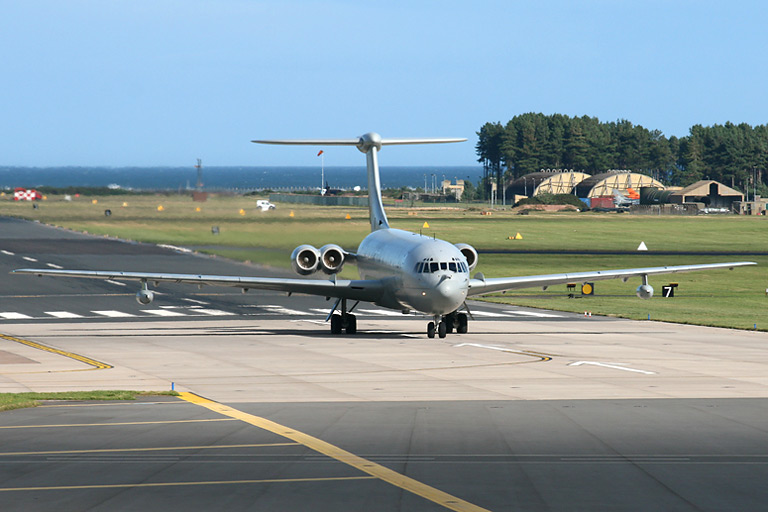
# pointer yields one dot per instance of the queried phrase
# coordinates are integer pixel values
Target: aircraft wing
(480, 286)
(365, 290)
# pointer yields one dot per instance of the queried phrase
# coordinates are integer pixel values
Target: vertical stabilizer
(375, 204)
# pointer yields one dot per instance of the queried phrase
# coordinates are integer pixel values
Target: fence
(320, 200)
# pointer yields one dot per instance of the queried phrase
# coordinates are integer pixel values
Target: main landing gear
(345, 321)
(445, 324)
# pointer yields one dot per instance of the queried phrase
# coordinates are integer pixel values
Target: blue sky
(163, 82)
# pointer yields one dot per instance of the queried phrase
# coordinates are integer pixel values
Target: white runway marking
(382, 312)
(488, 314)
(284, 311)
(14, 316)
(162, 312)
(489, 347)
(613, 366)
(9, 253)
(532, 313)
(53, 265)
(63, 314)
(113, 314)
(28, 258)
(196, 301)
(214, 312)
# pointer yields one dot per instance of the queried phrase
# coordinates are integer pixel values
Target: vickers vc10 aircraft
(398, 269)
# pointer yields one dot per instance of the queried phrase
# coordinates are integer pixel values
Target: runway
(531, 410)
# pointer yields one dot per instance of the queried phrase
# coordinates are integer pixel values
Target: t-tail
(370, 144)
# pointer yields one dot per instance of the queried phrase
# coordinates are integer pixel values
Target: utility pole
(199, 168)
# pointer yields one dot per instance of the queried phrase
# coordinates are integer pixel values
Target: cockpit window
(417, 269)
(434, 266)
(443, 265)
(452, 266)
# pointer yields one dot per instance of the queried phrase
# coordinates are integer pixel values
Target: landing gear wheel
(449, 322)
(336, 324)
(442, 329)
(462, 327)
(431, 330)
(351, 324)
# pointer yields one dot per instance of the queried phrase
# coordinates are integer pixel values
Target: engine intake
(470, 253)
(305, 260)
(331, 258)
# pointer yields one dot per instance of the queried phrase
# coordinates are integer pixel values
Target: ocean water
(228, 178)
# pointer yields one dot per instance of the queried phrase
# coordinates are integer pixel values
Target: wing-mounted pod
(331, 258)
(470, 253)
(645, 291)
(144, 296)
(305, 260)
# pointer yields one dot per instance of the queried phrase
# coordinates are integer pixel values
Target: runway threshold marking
(97, 365)
(162, 449)
(181, 484)
(376, 470)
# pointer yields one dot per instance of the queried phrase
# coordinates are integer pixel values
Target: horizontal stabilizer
(363, 142)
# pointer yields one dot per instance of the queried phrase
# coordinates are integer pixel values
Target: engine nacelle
(144, 297)
(305, 260)
(331, 258)
(470, 253)
(644, 291)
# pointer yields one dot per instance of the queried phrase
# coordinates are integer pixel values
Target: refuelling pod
(645, 291)
(470, 253)
(305, 260)
(144, 296)
(331, 258)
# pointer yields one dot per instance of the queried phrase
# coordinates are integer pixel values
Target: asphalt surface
(532, 410)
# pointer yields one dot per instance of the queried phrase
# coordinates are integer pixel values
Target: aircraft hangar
(603, 184)
(546, 181)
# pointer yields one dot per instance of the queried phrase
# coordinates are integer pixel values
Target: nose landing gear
(442, 325)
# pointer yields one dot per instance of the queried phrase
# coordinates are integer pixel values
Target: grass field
(9, 401)
(724, 298)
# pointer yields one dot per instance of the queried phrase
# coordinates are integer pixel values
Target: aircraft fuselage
(400, 258)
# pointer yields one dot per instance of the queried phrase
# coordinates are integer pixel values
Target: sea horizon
(230, 177)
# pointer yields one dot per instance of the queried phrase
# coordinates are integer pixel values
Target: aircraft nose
(450, 293)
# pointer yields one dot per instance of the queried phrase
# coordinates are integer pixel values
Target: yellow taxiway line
(176, 484)
(97, 365)
(158, 449)
(376, 470)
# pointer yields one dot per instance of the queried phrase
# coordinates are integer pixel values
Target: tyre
(351, 324)
(336, 324)
(431, 330)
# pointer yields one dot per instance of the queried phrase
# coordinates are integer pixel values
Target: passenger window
(434, 267)
(452, 266)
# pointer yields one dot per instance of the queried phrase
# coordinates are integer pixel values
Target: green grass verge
(9, 401)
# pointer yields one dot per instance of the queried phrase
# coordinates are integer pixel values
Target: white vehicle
(265, 205)
(398, 269)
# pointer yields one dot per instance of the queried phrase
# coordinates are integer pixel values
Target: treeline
(729, 153)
